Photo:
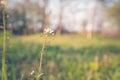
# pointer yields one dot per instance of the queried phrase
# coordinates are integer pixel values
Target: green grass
(75, 41)
(67, 57)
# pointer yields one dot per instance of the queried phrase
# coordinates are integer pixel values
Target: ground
(66, 57)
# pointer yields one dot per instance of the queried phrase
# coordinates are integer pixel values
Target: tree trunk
(91, 24)
(59, 28)
(45, 16)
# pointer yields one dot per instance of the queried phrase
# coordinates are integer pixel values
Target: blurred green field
(66, 57)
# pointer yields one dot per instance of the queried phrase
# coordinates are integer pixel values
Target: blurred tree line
(30, 17)
(1, 20)
(25, 16)
(114, 14)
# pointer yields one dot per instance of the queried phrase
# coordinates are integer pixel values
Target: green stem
(4, 75)
(41, 54)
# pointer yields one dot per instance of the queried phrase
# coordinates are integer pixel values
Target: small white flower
(32, 72)
(48, 31)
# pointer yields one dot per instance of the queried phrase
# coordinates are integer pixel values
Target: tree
(33, 16)
(1, 19)
(91, 23)
(63, 4)
(17, 19)
(45, 15)
(114, 14)
(59, 28)
(2, 9)
(25, 17)
(102, 8)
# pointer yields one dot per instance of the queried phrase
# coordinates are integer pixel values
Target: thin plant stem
(4, 75)
(41, 54)
(21, 77)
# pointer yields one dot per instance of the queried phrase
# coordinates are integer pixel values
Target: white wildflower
(32, 72)
(48, 31)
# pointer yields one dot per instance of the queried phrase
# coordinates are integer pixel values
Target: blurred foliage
(16, 21)
(24, 17)
(114, 13)
(1, 16)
